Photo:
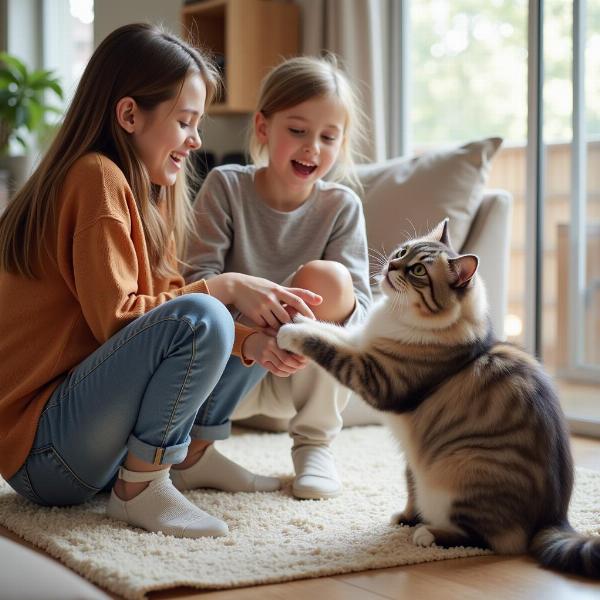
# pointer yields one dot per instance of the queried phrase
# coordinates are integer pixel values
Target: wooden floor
(484, 577)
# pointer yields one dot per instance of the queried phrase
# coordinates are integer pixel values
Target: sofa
(400, 196)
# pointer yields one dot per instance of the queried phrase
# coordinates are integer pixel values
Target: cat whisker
(416, 235)
(379, 267)
(377, 263)
(377, 256)
(407, 235)
(375, 251)
(397, 304)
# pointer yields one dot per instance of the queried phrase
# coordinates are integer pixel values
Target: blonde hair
(137, 60)
(303, 78)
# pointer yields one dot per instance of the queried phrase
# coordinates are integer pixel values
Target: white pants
(311, 398)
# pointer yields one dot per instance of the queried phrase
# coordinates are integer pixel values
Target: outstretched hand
(263, 349)
(270, 305)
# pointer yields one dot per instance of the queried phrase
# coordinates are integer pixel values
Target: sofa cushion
(402, 195)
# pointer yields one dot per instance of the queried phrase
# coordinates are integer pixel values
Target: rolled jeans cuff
(211, 432)
(157, 455)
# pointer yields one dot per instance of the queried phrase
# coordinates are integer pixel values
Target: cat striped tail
(563, 549)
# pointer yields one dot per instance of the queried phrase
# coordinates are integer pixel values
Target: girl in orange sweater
(107, 355)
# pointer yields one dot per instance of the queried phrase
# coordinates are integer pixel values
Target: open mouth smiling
(303, 168)
(177, 158)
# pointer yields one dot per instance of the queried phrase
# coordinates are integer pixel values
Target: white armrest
(489, 238)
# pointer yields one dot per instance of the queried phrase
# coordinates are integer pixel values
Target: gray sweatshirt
(238, 232)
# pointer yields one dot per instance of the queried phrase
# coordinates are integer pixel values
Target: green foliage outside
(469, 70)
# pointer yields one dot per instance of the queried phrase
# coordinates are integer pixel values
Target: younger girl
(106, 354)
(280, 220)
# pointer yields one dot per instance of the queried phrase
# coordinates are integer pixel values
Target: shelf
(251, 36)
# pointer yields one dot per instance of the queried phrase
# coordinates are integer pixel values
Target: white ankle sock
(214, 470)
(316, 475)
(160, 507)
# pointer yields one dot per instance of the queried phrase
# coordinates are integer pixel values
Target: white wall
(110, 14)
(220, 134)
(23, 31)
(223, 134)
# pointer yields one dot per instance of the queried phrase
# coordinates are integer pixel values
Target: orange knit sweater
(100, 281)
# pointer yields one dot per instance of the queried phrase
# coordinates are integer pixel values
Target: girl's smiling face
(164, 137)
(303, 141)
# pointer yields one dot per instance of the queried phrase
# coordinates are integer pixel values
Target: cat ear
(440, 232)
(463, 268)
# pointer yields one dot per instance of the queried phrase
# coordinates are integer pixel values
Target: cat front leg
(326, 344)
(410, 515)
(296, 337)
(336, 351)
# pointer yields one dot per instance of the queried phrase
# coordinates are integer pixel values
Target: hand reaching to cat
(265, 303)
(263, 349)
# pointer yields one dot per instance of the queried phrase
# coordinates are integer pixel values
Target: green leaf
(21, 115)
(6, 77)
(56, 87)
(14, 62)
(36, 114)
(5, 96)
(43, 80)
(22, 97)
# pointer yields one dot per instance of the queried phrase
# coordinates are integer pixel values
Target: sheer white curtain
(366, 35)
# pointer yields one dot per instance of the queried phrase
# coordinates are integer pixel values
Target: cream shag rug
(273, 537)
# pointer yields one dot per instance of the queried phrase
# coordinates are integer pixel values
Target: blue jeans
(140, 392)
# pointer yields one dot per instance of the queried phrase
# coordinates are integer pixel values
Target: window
(469, 65)
(68, 39)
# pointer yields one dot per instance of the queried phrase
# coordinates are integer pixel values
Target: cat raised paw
(290, 337)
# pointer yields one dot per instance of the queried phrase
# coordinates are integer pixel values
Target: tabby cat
(485, 439)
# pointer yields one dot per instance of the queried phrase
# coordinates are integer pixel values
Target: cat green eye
(418, 270)
(402, 252)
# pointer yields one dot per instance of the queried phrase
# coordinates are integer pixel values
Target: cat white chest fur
(433, 502)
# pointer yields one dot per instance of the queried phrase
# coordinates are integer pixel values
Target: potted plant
(23, 111)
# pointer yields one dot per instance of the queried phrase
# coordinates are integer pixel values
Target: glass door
(468, 66)
(571, 240)
(473, 69)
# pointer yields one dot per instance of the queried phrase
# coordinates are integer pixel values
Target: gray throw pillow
(402, 195)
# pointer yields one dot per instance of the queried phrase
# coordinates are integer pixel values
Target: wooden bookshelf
(250, 36)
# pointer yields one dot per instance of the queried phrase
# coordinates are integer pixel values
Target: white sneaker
(316, 475)
(160, 507)
(214, 470)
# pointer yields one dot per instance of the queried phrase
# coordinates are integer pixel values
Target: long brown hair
(137, 60)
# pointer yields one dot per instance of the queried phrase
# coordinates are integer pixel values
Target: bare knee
(333, 282)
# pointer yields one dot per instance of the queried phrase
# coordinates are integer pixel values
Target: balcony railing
(509, 172)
